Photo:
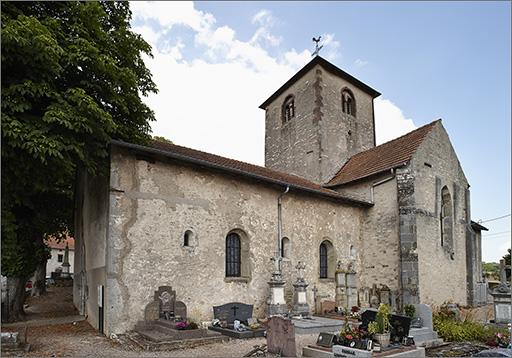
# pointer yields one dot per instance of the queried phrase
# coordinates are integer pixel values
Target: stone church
(399, 213)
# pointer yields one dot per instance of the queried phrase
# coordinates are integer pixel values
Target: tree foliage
(72, 79)
(507, 257)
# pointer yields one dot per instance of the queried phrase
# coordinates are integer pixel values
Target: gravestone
(501, 298)
(374, 297)
(281, 337)
(233, 311)
(400, 325)
(164, 318)
(326, 340)
(230, 312)
(164, 306)
(385, 295)
(327, 306)
(425, 313)
(364, 297)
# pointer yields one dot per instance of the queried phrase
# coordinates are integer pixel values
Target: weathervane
(317, 48)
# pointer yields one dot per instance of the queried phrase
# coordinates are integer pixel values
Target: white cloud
(390, 122)
(360, 63)
(331, 48)
(170, 13)
(264, 18)
(211, 102)
(263, 35)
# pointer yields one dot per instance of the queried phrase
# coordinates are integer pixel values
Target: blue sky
(214, 61)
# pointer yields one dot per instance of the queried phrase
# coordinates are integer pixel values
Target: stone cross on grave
(234, 308)
(301, 266)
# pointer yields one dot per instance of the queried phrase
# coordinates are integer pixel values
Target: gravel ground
(82, 340)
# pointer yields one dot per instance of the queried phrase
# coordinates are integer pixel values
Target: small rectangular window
(60, 258)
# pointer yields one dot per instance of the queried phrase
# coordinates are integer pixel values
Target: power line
(500, 217)
(496, 233)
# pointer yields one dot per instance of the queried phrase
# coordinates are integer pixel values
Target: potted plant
(409, 310)
(381, 328)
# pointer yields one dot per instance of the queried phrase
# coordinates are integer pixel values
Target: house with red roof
(57, 249)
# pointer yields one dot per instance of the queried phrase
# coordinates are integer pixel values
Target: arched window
(323, 260)
(348, 103)
(446, 220)
(327, 260)
(233, 257)
(352, 252)
(189, 239)
(285, 247)
(288, 110)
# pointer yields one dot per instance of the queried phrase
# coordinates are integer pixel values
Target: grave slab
(317, 324)
(319, 352)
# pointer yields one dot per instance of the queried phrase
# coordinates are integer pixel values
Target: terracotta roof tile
(240, 168)
(386, 156)
(52, 243)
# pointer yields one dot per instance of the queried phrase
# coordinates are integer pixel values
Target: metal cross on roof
(317, 48)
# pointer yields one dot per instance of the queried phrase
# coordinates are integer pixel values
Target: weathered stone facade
(153, 204)
(318, 141)
(436, 166)
(407, 231)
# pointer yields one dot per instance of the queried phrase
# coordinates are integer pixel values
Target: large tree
(72, 79)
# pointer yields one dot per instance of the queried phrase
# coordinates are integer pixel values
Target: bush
(467, 330)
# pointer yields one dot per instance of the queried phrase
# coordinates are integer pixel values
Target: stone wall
(442, 270)
(343, 135)
(408, 234)
(153, 204)
(91, 215)
(379, 250)
(318, 141)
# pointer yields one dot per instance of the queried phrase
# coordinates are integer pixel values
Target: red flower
(349, 337)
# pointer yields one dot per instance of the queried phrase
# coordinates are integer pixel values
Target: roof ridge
(242, 162)
(384, 145)
(397, 138)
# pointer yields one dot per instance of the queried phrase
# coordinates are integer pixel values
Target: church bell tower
(317, 120)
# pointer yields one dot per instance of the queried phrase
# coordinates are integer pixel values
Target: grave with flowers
(166, 324)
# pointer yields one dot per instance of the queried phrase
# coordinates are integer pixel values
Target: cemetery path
(80, 339)
(57, 302)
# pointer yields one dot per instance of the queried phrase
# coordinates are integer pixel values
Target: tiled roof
(386, 156)
(53, 243)
(240, 168)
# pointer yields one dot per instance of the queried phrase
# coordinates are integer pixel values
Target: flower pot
(382, 338)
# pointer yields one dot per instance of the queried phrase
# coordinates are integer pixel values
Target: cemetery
(360, 325)
(360, 322)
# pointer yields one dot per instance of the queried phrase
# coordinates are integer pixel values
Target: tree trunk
(39, 284)
(12, 306)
